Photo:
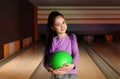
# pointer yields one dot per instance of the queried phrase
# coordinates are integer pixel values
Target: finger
(66, 65)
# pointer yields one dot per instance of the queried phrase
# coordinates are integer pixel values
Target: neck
(62, 35)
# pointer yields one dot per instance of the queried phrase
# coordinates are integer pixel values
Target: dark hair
(52, 16)
(50, 33)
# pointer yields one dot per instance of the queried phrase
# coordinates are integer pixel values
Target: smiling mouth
(62, 29)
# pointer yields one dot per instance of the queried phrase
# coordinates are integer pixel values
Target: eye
(57, 24)
(64, 22)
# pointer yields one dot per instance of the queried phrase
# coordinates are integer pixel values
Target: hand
(68, 67)
(64, 69)
(50, 69)
(60, 70)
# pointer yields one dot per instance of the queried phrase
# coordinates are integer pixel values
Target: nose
(62, 25)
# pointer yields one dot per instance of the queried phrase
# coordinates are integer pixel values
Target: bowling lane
(22, 66)
(108, 52)
(115, 45)
(44, 74)
(87, 69)
(41, 73)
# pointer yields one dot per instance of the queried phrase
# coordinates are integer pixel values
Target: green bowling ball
(59, 59)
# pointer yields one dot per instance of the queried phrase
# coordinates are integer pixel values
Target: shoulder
(72, 36)
(54, 39)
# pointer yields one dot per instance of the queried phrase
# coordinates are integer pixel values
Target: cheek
(66, 26)
(59, 28)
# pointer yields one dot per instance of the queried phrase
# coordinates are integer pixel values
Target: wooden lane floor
(41, 73)
(22, 66)
(115, 45)
(87, 69)
(108, 52)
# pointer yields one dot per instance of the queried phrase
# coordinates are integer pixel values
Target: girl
(59, 39)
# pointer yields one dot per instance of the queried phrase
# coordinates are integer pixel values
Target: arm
(49, 69)
(75, 55)
(75, 50)
(48, 51)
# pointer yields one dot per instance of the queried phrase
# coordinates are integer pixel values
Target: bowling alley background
(24, 22)
(16, 26)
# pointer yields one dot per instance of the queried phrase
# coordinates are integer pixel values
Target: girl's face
(59, 25)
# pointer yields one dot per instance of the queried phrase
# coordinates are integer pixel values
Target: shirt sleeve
(75, 49)
(48, 54)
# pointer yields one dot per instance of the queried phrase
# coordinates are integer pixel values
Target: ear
(52, 28)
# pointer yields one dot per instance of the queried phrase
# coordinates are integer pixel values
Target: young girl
(58, 39)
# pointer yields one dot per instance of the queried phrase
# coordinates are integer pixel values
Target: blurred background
(95, 22)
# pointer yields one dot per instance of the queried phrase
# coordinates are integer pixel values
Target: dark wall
(16, 20)
(26, 18)
(76, 2)
(9, 21)
(1, 50)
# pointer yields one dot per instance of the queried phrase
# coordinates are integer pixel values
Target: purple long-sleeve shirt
(68, 44)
